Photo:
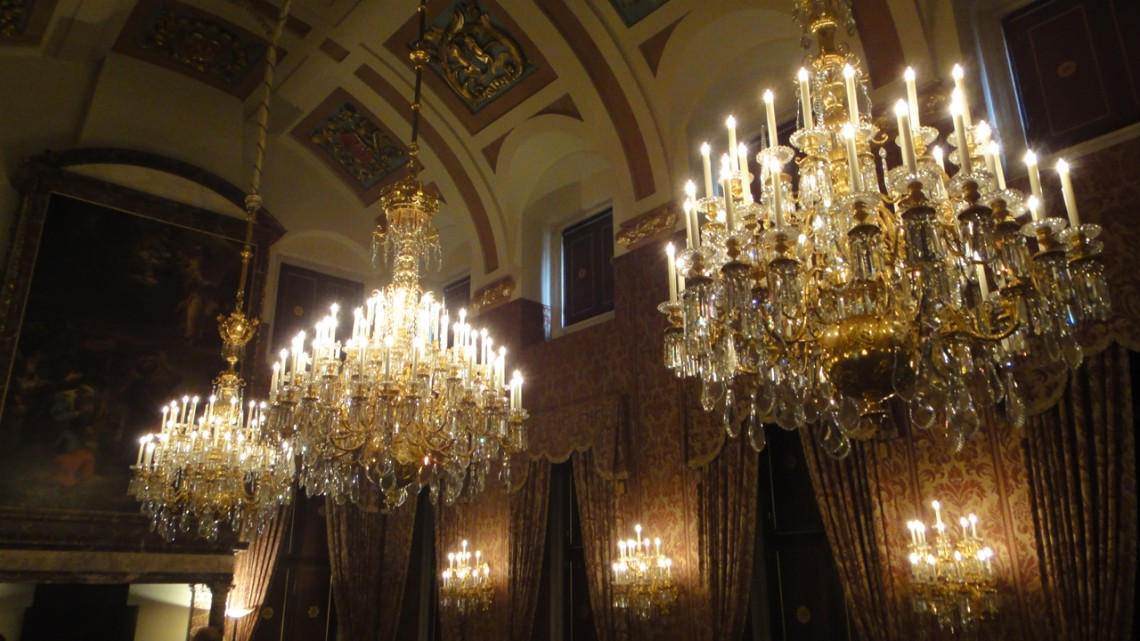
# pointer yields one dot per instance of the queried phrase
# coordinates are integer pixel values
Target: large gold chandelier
(833, 295)
(643, 578)
(410, 399)
(211, 462)
(952, 581)
(466, 583)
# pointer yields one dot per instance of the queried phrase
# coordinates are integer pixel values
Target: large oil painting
(119, 319)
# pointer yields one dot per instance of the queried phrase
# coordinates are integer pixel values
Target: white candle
(1034, 176)
(1034, 208)
(960, 87)
(745, 177)
(730, 124)
(142, 444)
(852, 100)
(911, 96)
(1067, 193)
(805, 98)
(960, 136)
(770, 113)
(973, 526)
(853, 174)
(777, 191)
(983, 285)
(672, 273)
(939, 158)
(726, 183)
(906, 137)
(995, 151)
(706, 163)
(937, 513)
(688, 211)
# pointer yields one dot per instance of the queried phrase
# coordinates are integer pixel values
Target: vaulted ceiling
(536, 112)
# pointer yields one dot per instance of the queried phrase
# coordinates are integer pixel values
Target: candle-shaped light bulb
(1068, 194)
(995, 154)
(730, 124)
(911, 96)
(1034, 208)
(637, 530)
(770, 114)
(1034, 176)
(960, 133)
(745, 177)
(939, 157)
(973, 526)
(852, 100)
(937, 512)
(669, 251)
(726, 182)
(960, 88)
(706, 163)
(692, 229)
(906, 136)
(805, 98)
(964, 523)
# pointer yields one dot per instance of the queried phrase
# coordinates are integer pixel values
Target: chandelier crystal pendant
(834, 295)
(952, 582)
(466, 583)
(643, 578)
(211, 462)
(410, 399)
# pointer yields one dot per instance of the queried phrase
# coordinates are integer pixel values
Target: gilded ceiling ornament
(477, 58)
(14, 16)
(196, 42)
(358, 145)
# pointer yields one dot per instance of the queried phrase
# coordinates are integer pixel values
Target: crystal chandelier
(410, 399)
(831, 296)
(643, 578)
(952, 582)
(466, 586)
(211, 461)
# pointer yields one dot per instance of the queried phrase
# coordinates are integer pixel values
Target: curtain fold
(529, 511)
(727, 516)
(1082, 473)
(369, 553)
(845, 493)
(596, 499)
(253, 572)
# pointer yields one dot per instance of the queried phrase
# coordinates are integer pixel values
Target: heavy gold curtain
(597, 499)
(369, 554)
(253, 571)
(846, 494)
(1081, 460)
(529, 516)
(727, 514)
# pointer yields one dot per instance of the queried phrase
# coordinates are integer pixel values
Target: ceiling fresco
(352, 141)
(197, 44)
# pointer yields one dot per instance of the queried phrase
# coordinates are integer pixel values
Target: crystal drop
(711, 393)
(729, 415)
(756, 438)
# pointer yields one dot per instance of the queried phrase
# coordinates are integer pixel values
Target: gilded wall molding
(492, 295)
(637, 231)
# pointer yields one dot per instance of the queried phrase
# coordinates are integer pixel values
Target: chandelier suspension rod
(253, 199)
(419, 58)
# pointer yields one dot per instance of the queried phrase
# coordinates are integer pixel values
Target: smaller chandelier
(952, 582)
(210, 463)
(643, 577)
(466, 586)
